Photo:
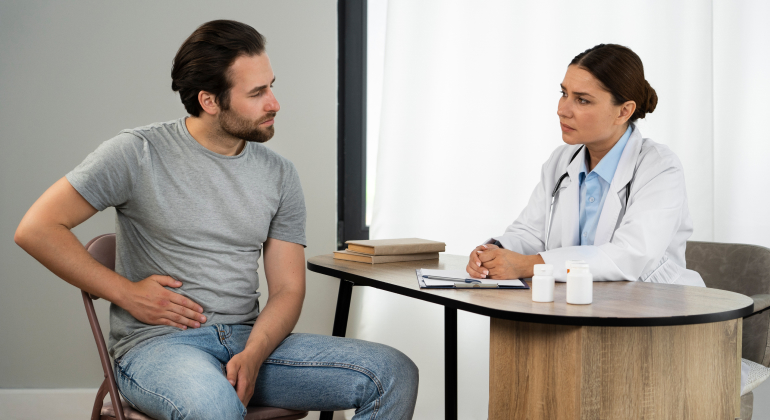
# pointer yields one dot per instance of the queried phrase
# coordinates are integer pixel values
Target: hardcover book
(395, 246)
(377, 259)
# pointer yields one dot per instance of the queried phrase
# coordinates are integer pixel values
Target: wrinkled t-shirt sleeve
(288, 224)
(106, 177)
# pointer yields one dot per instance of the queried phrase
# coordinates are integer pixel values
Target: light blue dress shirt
(594, 187)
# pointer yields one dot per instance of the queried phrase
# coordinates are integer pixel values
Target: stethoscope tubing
(556, 191)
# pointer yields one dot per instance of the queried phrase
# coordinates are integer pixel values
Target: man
(197, 200)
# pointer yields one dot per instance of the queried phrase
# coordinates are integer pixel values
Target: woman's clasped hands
(492, 262)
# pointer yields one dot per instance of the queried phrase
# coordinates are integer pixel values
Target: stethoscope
(556, 191)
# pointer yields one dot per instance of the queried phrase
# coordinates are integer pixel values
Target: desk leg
(450, 363)
(340, 322)
(343, 308)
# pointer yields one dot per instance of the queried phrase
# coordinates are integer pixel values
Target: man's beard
(239, 127)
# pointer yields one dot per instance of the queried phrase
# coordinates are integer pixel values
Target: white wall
(73, 74)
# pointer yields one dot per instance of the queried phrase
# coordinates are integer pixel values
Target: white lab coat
(644, 242)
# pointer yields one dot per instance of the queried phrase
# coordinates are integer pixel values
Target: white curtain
(468, 116)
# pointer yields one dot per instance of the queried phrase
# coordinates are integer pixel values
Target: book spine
(403, 257)
(408, 249)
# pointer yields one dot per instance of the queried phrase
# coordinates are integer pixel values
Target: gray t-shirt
(192, 214)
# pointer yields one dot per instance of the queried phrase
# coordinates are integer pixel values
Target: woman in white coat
(609, 196)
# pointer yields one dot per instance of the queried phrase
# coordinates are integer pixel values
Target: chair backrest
(742, 269)
(102, 248)
(738, 268)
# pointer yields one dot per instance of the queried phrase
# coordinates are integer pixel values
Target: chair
(743, 269)
(102, 248)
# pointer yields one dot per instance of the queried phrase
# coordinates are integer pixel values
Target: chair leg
(747, 406)
(96, 413)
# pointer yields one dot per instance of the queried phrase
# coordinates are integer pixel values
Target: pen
(454, 279)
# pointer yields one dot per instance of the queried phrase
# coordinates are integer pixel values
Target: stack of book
(375, 251)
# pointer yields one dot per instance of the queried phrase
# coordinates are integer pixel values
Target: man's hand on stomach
(150, 302)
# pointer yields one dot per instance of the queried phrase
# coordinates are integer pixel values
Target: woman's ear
(626, 111)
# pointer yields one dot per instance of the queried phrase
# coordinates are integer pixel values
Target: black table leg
(450, 363)
(340, 322)
(343, 308)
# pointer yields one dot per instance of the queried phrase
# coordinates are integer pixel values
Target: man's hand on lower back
(150, 302)
(242, 371)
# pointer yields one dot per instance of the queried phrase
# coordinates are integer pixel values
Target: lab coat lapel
(570, 203)
(623, 175)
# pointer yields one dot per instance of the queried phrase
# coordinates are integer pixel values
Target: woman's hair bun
(650, 102)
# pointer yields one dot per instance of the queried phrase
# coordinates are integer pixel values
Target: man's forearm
(274, 323)
(284, 264)
(57, 248)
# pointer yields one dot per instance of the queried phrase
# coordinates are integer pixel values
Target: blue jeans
(182, 376)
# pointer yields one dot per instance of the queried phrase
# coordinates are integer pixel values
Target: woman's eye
(563, 94)
(582, 101)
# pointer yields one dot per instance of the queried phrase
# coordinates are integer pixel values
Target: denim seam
(130, 379)
(356, 368)
(128, 400)
(226, 345)
(223, 337)
(223, 332)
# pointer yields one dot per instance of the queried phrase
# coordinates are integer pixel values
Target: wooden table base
(542, 371)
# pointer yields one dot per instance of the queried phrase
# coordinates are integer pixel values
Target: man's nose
(272, 104)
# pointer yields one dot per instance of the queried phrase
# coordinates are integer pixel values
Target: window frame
(351, 121)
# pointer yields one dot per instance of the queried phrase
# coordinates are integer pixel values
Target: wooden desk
(641, 350)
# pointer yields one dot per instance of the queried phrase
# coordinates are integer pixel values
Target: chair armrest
(761, 302)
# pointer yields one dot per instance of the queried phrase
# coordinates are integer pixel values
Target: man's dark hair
(204, 58)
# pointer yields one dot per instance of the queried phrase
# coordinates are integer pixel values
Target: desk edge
(534, 318)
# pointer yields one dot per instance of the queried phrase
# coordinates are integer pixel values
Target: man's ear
(208, 102)
(626, 111)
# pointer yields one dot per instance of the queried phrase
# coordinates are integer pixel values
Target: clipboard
(459, 285)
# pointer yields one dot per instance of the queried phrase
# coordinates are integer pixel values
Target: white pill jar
(569, 263)
(580, 284)
(543, 283)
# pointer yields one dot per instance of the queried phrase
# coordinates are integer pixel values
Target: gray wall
(73, 74)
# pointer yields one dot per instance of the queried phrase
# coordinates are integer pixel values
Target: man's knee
(407, 372)
(397, 372)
